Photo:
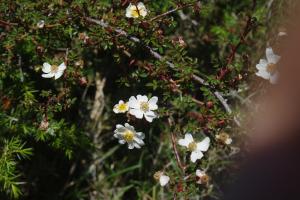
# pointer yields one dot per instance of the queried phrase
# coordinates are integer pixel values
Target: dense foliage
(57, 135)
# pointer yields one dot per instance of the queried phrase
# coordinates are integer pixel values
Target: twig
(173, 138)
(173, 10)
(7, 23)
(160, 58)
(246, 31)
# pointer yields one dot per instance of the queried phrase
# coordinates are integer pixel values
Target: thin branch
(180, 165)
(173, 10)
(160, 58)
(5, 23)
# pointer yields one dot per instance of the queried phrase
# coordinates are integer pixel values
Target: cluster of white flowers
(267, 68)
(139, 106)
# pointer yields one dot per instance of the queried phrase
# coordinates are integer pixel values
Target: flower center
(157, 175)
(122, 107)
(54, 68)
(128, 136)
(223, 137)
(271, 68)
(144, 106)
(204, 179)
(192, 146)
(135, 13)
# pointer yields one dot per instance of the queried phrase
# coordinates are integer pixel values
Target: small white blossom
(224, 138)
(202, 177)
(53, 70)
(162, 178)
(41, 24)
(196, 148)
(121, 107)
(282, 33)
(141, 107)
(267, 68)
(135, 11)
(127, 134)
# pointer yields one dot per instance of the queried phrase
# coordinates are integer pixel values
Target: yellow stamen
(157, 175)
(128, 136)
(144, 106)
(54, 68)
(192, 146)
(222, 137)
(122, 107)
(271, 68)
(204, 179)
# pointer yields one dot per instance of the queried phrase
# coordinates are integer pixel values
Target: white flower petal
(130, 145)
(129, 11)
(49, 75)
(141, 98)
(188, 138)
(164, 180)
(128, 126)
(139, 141)
(46, 68)
(58, 74)
(228, 141)
(62, 67)
(133, 103)
(142, 9)
(263, 74)
(274, 78)
(149, 116)
(153, 103)
(262, 66)
(195, 155)
(271, 57)
(136, 145)
(203, 145)
(141, 135)
(122, 141)
(199, 173)
(118, 126)
(137, 113)
(115, 109)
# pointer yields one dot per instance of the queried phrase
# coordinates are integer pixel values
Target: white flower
(135, 11)
(203, 178)
(163, 179)
(195, 148)
(267, 69)
(53, 70)
(282, 33)
(41, 24)
(128, 134)
(121, 107)
(224, 138)
(141, 106)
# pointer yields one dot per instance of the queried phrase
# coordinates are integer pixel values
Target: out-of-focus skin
(279, 115)
(272, 171)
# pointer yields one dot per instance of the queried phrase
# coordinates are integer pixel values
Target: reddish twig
(180, 165)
